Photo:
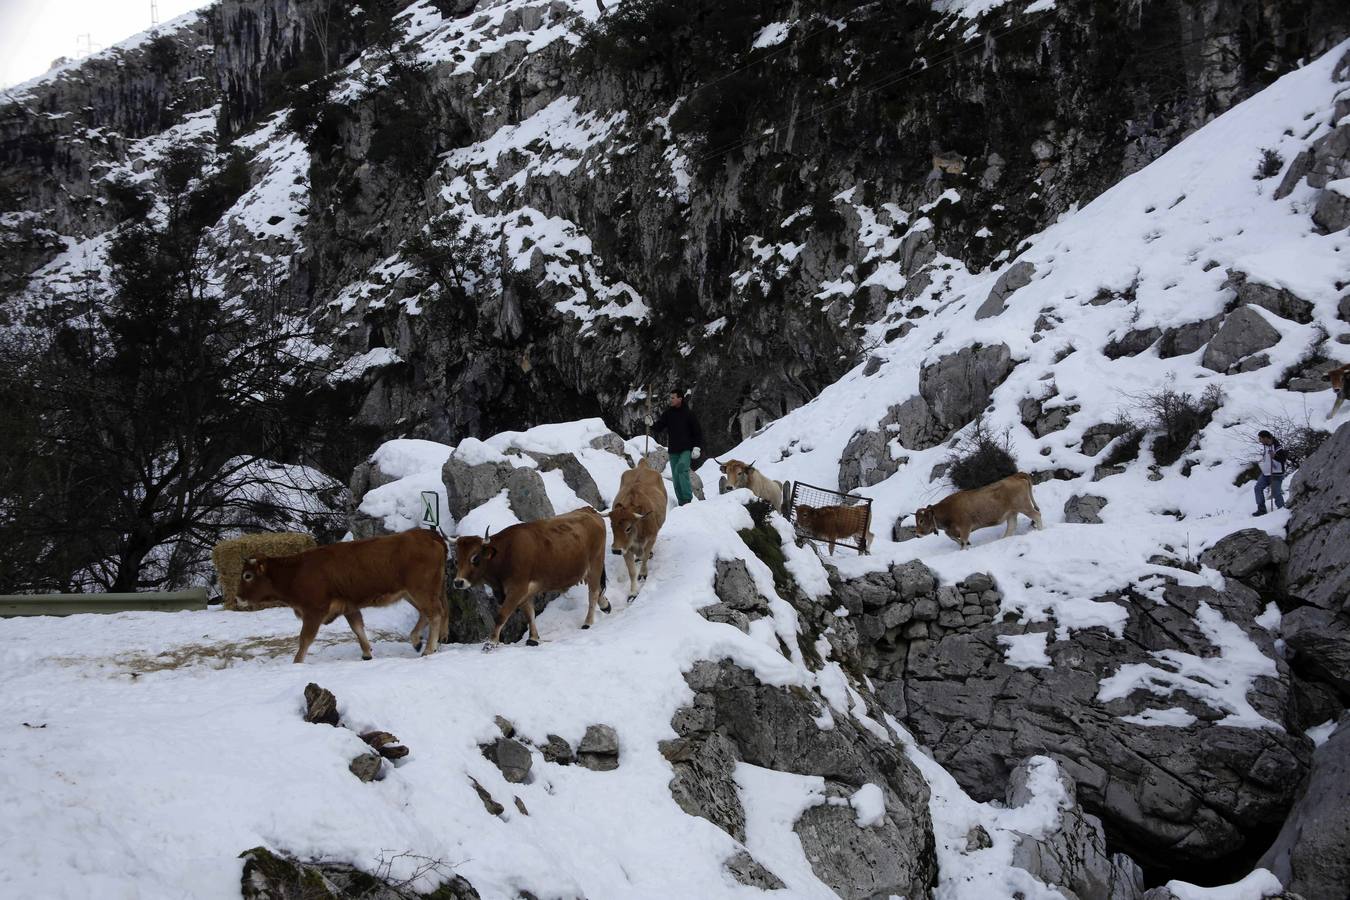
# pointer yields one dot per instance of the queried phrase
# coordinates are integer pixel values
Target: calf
(636, 518)
(745, 475)
(342, 579)
(1340, 383)
(519, 562)
(967, 511)
(836, 523)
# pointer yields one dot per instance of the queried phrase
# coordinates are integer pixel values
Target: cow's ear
(261, 566)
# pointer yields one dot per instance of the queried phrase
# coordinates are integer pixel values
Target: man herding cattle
(638, 513)
(685, 442)
(966, 511)
(341, 579)
(519, 562)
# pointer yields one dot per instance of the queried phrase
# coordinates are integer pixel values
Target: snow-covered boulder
(1243, 334)
(747, 751)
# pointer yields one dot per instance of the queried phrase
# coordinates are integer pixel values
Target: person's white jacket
(1269, 464)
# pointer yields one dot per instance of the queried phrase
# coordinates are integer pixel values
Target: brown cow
(544, 555)
(1340, 383)
(745, 475)
(638, 513)
(835, 523)
(966, 511)
(341, 579)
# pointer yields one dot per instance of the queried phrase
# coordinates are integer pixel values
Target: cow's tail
(1030, 496)
(604, 579)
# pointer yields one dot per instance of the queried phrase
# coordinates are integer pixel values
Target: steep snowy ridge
(143, 752)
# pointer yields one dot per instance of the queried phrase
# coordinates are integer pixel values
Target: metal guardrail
(74, 604)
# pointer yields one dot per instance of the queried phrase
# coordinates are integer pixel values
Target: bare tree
(319, 23)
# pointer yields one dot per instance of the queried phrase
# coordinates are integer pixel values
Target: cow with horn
(636, 518)
(521, 561)
(745, 475)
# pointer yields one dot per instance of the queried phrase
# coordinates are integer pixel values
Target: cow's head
(924, 521)
(472, 555)
(805, 515)
(624, 521)
(737, 472)
(255, 584)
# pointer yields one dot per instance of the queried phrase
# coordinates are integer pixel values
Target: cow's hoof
(585, 627)
(367, 656)
(607, 609)
(488, 647)
(632, 597)
(531, 643)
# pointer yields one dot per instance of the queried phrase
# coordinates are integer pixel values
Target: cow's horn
(752, 464)
(486, 534)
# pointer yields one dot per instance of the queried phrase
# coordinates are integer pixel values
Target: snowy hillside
(1157, 252)
(1131, 702)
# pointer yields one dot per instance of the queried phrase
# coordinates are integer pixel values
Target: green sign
(431, 509)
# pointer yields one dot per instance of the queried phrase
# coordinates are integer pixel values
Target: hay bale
(229, 557)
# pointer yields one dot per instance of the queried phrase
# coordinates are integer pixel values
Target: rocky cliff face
(720, 196)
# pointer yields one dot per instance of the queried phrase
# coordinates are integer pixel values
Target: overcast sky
(35, 32)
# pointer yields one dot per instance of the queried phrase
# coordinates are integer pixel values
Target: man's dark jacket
(685, 433)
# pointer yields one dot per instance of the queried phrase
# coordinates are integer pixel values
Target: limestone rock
(320, 705)
(1016, 276)
(1096, 437)
(575, 475)
(742, 720)
(1280, 301)
(527, 495)
(1309, 855)
(1162, 793)
(1132, 343)
(385, 744)
(599, 749)
(512, 757)
(1181, 340)
(1084, 509)
(366, 766)
(958, 387)
(1073, 856)
(1319, 644)
(1251, 556)
(470, 485)
(1318, 571)
(1243, 333)
(747, 870)
(270, 876)
(556, 750)
(866, 461)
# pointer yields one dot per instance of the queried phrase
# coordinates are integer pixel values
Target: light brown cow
(835, 523)
(1340, 383)
(342, 579)
(967, 511)
(636, 518)
(519, 562)
(745, 475)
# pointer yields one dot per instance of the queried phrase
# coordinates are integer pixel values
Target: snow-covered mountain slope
(159, 747)
(890, 724)
(1192, 237)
